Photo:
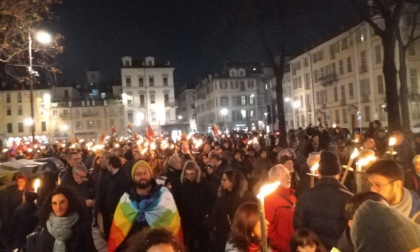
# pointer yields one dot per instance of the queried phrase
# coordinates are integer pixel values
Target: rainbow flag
(159, 212)
(215, 130)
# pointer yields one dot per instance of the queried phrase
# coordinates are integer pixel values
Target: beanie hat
(139, 164)
(377, 227)
(329, 165)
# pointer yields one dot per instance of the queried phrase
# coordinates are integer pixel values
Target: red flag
(149, 133)
(215, 130)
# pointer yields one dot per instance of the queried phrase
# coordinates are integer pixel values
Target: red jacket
(279, 210)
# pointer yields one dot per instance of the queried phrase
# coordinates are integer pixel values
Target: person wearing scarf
(62, 228)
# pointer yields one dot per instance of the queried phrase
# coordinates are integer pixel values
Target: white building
(233, 100)
(341, 82)
(148, 94)
(186, 111)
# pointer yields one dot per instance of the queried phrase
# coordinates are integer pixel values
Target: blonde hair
(190, 165)
(416, 159)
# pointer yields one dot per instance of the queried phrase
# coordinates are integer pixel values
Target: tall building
(232, 99)
(186, 111)
(341, 81)
(148, 94)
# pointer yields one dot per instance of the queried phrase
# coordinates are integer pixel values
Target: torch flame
(37, 183)
(314, 167)
(354, 154)
(267, 189)
(392, 141)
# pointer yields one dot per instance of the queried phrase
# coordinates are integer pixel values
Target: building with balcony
(186, 111)
(341, 82)
(148, 94)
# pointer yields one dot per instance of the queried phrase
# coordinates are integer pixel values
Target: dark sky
(197, 36)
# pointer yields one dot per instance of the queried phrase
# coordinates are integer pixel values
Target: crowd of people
(199, 194)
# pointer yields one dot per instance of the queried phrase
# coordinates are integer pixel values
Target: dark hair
(386, 168)
(237, 178)
(71, 153)
(356, 200)
(114, 161)
(46, 209)
(246, 217)
(305, 236)
(151, 237)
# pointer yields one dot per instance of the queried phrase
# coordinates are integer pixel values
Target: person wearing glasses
(78, 184)
(194, 205)
(62, 227)
(386, 177)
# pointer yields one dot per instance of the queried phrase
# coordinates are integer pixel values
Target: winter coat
(80, 240)
(279, 210)
(321, 209)
(24, 221)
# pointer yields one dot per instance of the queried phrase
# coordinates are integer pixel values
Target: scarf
(60, 229)
(406, 203)
(158, 211)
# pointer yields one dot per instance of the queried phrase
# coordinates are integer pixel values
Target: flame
(392, 141)
(267, 189)
(354, 154)
(314, 167)
(37, 183)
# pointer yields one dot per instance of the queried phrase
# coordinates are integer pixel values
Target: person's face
(103, 161)
(161, 248)
(206, 148)
(142, 177)
(136, 155)
(382, 185)
(289, 165)
(60, 205)
(417, 167)
(263, 154)
(79, 176)
(238, 156)
(257, 229)
(190, 175)
(315, 139)
(21, 184)
(370, 143)
(226, 183)
(185, 148)
(306, 248)
(205, 160)
(74, 160)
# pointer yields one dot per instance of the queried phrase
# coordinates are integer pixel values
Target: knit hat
(329, 165)
(139, 164)
(377, 227)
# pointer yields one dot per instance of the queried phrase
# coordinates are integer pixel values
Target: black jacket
(117, 184)
(321, 209)
(80, 240)
(24, 222)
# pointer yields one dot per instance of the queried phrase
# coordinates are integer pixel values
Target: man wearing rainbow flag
(146, 204)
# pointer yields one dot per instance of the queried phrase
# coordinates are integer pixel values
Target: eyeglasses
(142, 173)
(189, 174)
(379, 186)
(80, 176)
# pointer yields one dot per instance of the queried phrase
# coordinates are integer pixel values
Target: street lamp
(43, 38)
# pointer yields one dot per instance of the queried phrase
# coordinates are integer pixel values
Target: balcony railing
(363, 69)
(328, 80)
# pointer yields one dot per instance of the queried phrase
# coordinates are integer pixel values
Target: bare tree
(390, 12)
(406, 37)
(17, 19)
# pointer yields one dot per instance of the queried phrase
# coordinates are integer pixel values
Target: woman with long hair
(245, 235)
(61, 228)
(233, 192)
(305, 240)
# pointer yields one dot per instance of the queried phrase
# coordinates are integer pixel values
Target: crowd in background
(210, 185)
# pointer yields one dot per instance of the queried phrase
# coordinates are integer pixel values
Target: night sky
(197, 36)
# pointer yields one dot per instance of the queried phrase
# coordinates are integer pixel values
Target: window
(251, 99)
(349, 66)
(251, 113)
(20, 127)
(223, 85)
(55, 113)
(412, 49)
(242, 85)
(8, 98)
(294, 83)
(141, 100)
(243, 114)
(153, 115)
(363, 62)
(166, 97)
(305, 62)
(78, 125)
(165, 81)
(343, 93)
(364, 88)
(307, 82)
(128, 81)
(335, 94)
(152, 99)
(341, 67)
(66, 94)
(380, 84)
(318, 98)
(151, 82)
(235, 101)
(43, 126)
(344, 44)
(367, 114)
(413, 80)
(243, 100)
(89, 124)
(20, 110)
(351, 90)
(250, 84)
(378, 58)
(337, 116)
(9, 111)
(130, 116)
(19, 97)
(9, 128)
(299, 79)
(224, 101)
(141, 82)
(98, 123)
(344, 116)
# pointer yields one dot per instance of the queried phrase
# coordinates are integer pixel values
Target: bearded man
(146, 204)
